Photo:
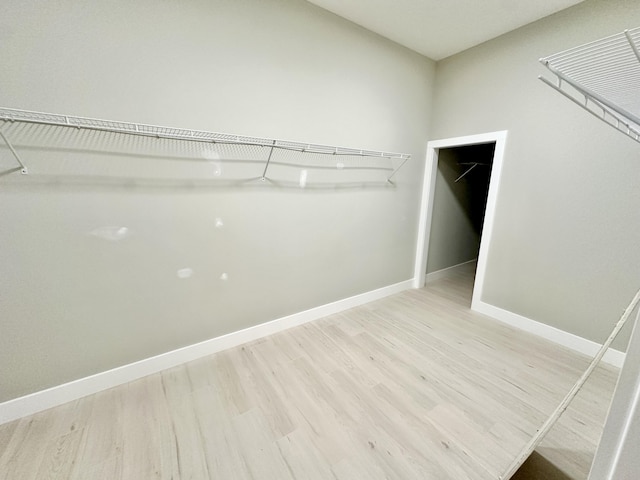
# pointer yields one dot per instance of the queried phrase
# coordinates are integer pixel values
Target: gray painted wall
(73, 302)
(565, 242)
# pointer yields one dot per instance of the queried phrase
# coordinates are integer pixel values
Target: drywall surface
(118, 248)
(565, 244)
(458, 207)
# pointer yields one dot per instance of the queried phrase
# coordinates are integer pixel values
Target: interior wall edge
(42, 400)
(574, 342)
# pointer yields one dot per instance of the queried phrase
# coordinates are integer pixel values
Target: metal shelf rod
(15, 115)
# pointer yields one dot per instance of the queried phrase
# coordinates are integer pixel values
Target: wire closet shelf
(27, 116)
(603, 77)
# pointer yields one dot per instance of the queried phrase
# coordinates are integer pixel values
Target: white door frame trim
(426, 206)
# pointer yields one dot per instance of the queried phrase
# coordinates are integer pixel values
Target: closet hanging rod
(465, 173)
(16, 115)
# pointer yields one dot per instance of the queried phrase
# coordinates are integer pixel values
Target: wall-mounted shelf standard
(603, 77)
(15, 115)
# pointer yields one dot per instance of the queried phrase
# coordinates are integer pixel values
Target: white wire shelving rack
(27, 116)
(603, 77)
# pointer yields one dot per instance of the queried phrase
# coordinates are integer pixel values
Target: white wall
(565, 241)
(72, 303)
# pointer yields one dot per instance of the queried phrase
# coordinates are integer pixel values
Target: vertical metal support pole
(23, 170)
(264, 173)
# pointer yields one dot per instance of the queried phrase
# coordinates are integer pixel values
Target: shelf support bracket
(398, 168)
(23, 168)
(266, 167)
(634, 47)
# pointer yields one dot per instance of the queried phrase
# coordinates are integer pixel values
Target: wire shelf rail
(602, 77)
(27, 116)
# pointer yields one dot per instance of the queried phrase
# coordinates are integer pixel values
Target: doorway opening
(460, 198)
(458, 205)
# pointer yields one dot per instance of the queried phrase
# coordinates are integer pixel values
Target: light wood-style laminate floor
(414, 386)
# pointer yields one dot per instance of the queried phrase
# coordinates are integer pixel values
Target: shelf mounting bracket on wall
(23, 168)
(405, 160)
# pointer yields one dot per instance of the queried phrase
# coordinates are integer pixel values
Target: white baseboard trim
(569, 340)
(54, 396)
(438, 274)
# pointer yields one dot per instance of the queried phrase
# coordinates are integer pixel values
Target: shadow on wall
(539, 468)
(139, 184)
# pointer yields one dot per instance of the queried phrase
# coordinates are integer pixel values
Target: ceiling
(440, 28)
